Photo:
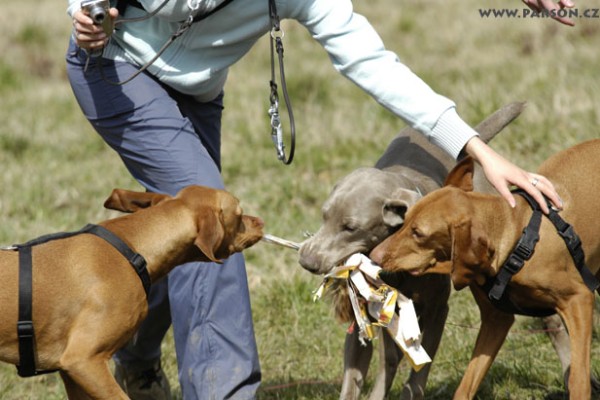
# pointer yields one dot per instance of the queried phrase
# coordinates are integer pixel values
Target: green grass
(56, 171)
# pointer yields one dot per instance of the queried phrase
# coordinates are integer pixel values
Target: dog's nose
(308, 259)
(258, 222)
(376, 255)
(308, 263)
(255, 222)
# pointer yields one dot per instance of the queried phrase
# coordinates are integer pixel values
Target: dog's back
(575, 172)
(412, 151)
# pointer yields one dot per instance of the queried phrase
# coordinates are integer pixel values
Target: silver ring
(535, 181)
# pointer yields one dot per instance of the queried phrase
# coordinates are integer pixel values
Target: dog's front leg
(559, 338)
(432, 308)
(91, 379)
(74, 391)
(577, 313)
(357, 358)
(495, 325)
(389, 358)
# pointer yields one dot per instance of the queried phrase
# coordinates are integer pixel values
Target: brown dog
(88, 300)
(470, 235)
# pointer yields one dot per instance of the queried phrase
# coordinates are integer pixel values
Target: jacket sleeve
(73, 5)
(358, 53)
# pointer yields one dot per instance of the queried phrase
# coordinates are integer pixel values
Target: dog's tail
(494, 124)
(489, 128)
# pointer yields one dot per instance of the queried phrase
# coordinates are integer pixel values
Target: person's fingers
(503, 191)
(553, 8)
(546, 188)
(502, 174)
(550, 6)
(81, 18)
(566, 3)
(89, 31)
(532, 4)
(87, 34)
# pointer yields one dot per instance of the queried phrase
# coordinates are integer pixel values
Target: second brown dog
(469, 236)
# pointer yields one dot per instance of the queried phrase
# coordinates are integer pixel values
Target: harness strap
(521, 252)
(496, 287)
(571, 239)
(25, 331)
(573, 243)
(136, 260)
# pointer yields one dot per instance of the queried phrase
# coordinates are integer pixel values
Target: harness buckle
(514, 263)
(519, 255)
(523, 251)
(138, 262)
(25, 329)
(570, 237)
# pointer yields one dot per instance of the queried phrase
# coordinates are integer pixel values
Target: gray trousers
(167, 141)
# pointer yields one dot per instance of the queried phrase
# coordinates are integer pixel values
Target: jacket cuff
(451, 133)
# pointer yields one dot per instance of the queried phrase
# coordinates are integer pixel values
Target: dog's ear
(210, 234)
(129, 201)
(472, 254)
(395, 208)
(461, 175)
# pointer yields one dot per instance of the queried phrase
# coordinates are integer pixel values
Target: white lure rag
(369, 295)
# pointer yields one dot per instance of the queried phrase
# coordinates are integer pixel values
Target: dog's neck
(162, 250)
(502, 223)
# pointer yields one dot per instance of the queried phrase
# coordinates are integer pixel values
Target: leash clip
(276, 129)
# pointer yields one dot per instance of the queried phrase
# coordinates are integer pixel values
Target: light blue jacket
(197, 62)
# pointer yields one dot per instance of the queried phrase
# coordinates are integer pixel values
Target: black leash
(25, 331)
(276, 35)
(276, 129)
(497, 286)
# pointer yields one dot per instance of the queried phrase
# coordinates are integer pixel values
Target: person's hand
(551, 6)
(88, 35)
(501, 173)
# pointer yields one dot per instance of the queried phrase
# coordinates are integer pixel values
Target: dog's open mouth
(344, 260)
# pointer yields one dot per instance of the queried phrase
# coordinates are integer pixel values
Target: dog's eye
(349, 228)
(417, 234)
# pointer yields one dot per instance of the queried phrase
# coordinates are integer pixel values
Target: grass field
(56, 171)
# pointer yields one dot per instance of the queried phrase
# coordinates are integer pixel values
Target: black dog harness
(496, 287)
(25, 330)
